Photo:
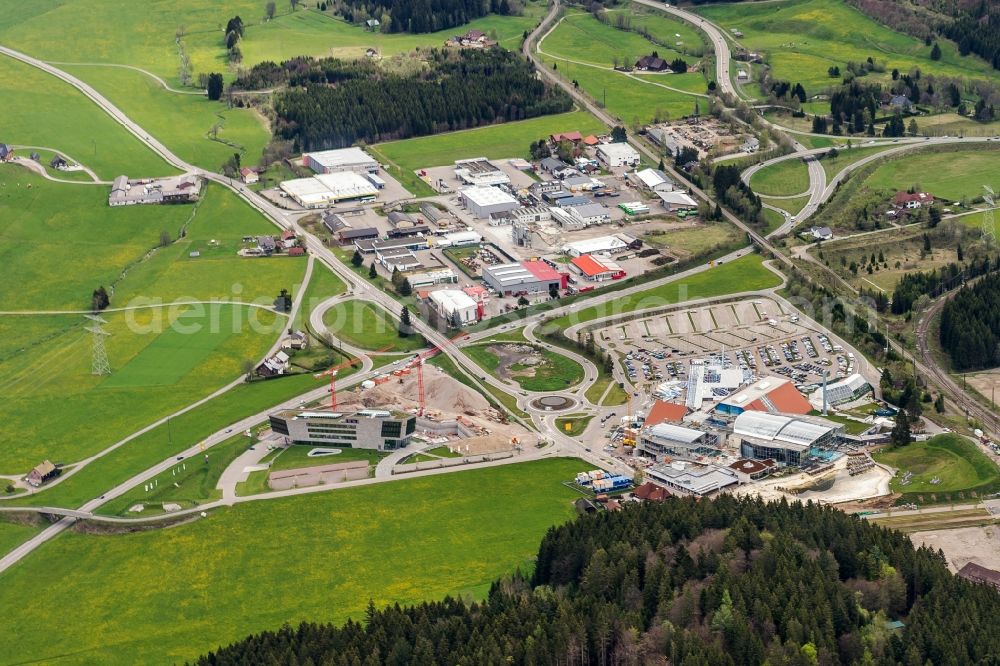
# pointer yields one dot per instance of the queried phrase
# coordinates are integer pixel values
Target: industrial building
(699, 480)
(349, 236)
(787, 440)
(460, 239)
(329, 188)
(617, 155)
(616, 243)
(432, 277)
(676, 200)
(666, 440)
(456, 307)
(176, 189)
(665, 412)
(345, 159)
(480, 172)
(381, 430)
(413, 244)
(526, 277)
(848, 389)
(522, 215)
(597, 269)
(398, 259)
(587, 214)
(774, 395)
(652, 180)
(483, 202)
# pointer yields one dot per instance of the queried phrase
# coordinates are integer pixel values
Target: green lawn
(297, 455)
(165, 440)
(793, 206)
(583, 38)
(13, 535)
(628, 97)
(262, 564)
(693, 240)
(834, 165)
(443, 452)
(553, 373)
(681, 36)
(781, 179)
(803, 38)
(189, 482)
(957, 462)
(368, 326)
(493, 141)
(947, 174)
(161, 360)
(183, 123)
(36, 107)
(574, 424)
(744, 274)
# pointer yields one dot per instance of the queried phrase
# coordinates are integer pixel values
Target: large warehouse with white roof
(326, 189)
(344, 159)
(485, 201)
(527, 277)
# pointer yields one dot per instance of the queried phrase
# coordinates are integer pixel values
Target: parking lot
(756, 336)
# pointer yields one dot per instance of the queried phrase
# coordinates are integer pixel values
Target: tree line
(359, 103)
(723, 582)
(418, 16)
(970, 325)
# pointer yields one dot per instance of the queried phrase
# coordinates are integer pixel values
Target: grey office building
(366, 429)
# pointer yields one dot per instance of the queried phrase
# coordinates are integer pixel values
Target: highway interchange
(357, 288)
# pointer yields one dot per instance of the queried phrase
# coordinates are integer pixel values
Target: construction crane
(332, 374)
(418, 363)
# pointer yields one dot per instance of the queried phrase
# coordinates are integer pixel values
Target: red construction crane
(419, 363)
(332, 373)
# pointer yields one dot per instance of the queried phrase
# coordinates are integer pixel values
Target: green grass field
(834, 165)
(493, 141)
(172, 594)
(803, 38)
(744, 274)
(368, 326)
(35, 111)
(183, 123)
(781, 179)
(955, 461)
(693, 240)
(574, 424)
(793, 206)
(681, 36)
(164, 441)
(583, 38)
(161, 360)
(297, 455)
(316, 34)
(553, 373)
(14, 534)
(949, 174)
(628, 98)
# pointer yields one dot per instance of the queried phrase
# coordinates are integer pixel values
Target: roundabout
(553, 403)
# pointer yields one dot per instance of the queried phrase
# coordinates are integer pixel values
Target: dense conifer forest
(333, 104)
(970, 326)
(730, 581)
(420, 15)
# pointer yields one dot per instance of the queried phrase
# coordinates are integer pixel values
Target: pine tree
(936, 52)
(357, 259)
(900, 435)
(372, 271)
(405, 325)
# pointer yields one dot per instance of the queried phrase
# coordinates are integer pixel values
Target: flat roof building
(329, 188)
(175, 189)
(344, 159)
(480, 172)
(483, 202)
(615, 243)
(666, 440)
(456, 307)
(376, 429)
(347, 236)
(699, 480)
(652, 180)
(617, 155)
(526, 277)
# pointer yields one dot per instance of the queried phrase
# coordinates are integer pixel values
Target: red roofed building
(665, 412)
(915, 200)
(591, 140)
(545, 273)
(650, 492)
(476, 292)
(566, 136)
(597, 270)
(296, 251)
(773, 395)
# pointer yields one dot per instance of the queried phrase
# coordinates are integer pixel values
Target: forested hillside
(702, 583)
(420, 15)
(970, 326)
(360, 102)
